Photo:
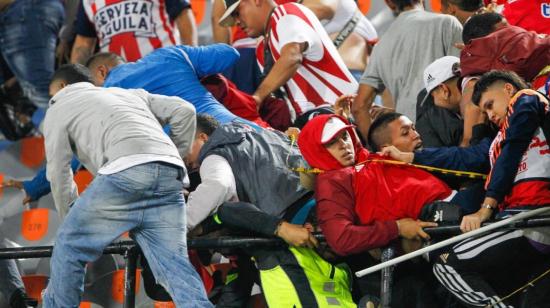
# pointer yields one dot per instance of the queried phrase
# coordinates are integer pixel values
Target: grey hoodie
(100, 125)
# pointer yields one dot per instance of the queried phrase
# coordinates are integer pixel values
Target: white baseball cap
(227, 19)
(440, 71)
(333, 127)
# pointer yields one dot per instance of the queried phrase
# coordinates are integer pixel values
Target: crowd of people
(298, 119)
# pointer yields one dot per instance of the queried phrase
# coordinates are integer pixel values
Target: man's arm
(86, 37)
(39, 186)
(285, 67)
(247, 216)
(219, 33)
(83, 48)
(471, 113)
(217, 186)
(361, 108)
(338, 221)
(187, 27)
(346, 237)
(474, 158)
(179, 114)
(58, 158)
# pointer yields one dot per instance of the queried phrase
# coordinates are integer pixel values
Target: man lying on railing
(240, 163)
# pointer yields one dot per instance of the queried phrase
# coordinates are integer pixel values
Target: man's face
(404, 135)
(248, 17)
(341, 148)
(447, 95)
(192, 159)
(495, 101)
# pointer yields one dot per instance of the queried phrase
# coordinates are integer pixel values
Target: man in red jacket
(362, 201)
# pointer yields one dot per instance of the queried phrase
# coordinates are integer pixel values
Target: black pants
(481, 271)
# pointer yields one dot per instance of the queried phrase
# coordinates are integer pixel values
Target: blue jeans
(10, 278)
(146, 200)
(28, 34)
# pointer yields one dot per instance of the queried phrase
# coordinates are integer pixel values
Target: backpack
(508, 48)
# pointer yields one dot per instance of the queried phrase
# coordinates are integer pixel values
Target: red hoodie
(357, 206)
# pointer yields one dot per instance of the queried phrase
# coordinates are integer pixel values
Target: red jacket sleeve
(337, 218)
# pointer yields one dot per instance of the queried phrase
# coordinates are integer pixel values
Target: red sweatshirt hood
(315, 153)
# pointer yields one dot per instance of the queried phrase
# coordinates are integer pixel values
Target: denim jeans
(10, 278)
(146, 200)
(28, 34)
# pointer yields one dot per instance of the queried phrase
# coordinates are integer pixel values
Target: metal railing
(130, 251)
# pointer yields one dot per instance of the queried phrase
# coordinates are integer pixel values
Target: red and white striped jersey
(131, 28)
(322, 77)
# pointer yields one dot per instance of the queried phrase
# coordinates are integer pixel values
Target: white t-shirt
(322, 77)
(344, 13)
(217, 186)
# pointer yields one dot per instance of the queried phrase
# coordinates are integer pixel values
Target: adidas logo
(438, 216)
(430, 78)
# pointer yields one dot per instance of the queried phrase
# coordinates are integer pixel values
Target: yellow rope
(471, 175)
(530, 283)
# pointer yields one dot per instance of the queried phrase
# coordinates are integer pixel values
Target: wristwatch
(488, 206)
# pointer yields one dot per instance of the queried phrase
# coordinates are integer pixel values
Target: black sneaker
(14, 126)
(20, 299)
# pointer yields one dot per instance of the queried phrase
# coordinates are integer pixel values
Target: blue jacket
(39, 186)
(176, 71)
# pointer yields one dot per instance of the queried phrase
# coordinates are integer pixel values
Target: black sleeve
(83, 24)
(482, 131)
(175, 7)
(247, 216)
(439, 127)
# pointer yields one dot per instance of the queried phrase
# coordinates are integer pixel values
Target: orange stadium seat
(32, 152)
(34, 284)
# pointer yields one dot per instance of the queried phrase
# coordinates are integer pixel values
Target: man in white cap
(441, 82)
(425, 37)
(438, 114)
(298, 53)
